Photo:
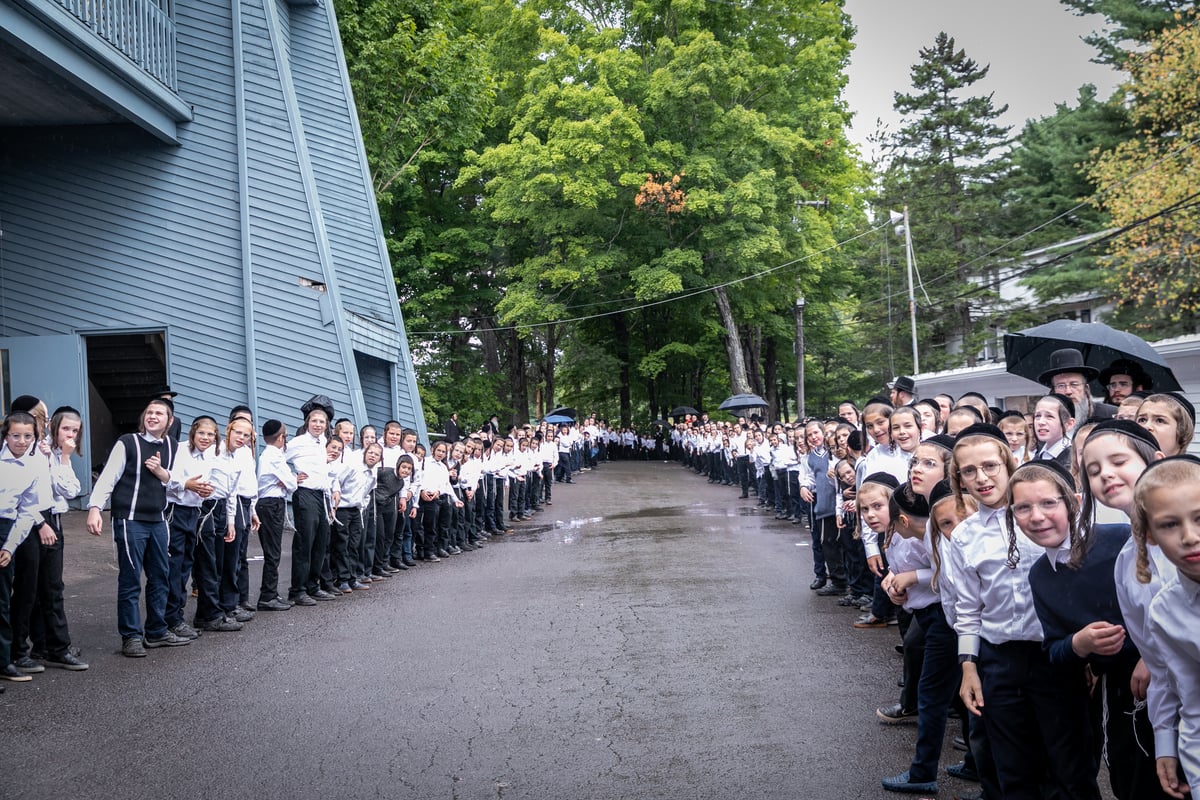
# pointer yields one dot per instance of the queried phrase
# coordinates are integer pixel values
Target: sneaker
(67, 660)
(902, 783)
(185, 631)
(28, 665)
(168, 639)
(132, 648)
(431, 557)
(241, 615)
(896, 715)
(454, 550)
(442, 554)
(831, 591)
(344, 587)
(9, 672)
(359, 586)
(870, 621)
(220, 625)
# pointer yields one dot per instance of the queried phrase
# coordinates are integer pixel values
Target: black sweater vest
(139, 495)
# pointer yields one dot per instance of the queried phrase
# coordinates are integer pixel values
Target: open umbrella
(682, 411)
(1027, 353)
(563, 411)
(659, 423)
(559, 419)
(740, 402)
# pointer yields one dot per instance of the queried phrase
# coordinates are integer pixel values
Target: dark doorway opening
(123, 372)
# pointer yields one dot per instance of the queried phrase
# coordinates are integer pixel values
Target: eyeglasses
(990, 469)
(925, 463)
(1047, 506)
(1063, 386)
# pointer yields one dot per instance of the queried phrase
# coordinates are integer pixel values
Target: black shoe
(9, 672)
(431, 558)
(359, 586)
(379, 575)
(220, 625)
(304, 600)
(332, 590)
(67, 660)
(896, 715)
(831, 591)
(168, 639)
(28, 666)
(240, 614)
(962, 772)
(274, 604)
(321, 594)
(818, 583)
(398, 566)
(181, 628)
(130, 648)
(440, 554)
(454, 550)
(408, 562)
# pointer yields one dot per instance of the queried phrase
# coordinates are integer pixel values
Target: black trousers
(6, 580)
(386, 515)
(309, 542)
(1037, 722)
(183, 529)
(345, 539)
(272, 514)
(39, 616)
(242, 576)
(547, 480)
(209, 564)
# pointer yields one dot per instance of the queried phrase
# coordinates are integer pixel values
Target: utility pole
(912, 297)
(800, 358)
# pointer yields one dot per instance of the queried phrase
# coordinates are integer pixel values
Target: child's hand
(1099, 638)
(971, 690)
(301, 477)
(231, 533)
(95, 525)
(5, 558)
(47, 535)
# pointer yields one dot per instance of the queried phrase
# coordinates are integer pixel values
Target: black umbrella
(740, 402)
(660, 423)
(563, 411)
(1027, 353)
(682, 411)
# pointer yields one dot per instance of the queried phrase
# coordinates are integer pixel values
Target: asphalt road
(647, 636)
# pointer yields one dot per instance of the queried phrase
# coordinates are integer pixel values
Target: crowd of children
(1043, 569)
(365, 504)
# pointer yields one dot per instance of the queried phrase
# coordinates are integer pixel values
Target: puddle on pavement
(570, 531)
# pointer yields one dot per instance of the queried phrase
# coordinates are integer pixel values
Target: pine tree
(1130, 23)
(945, 160)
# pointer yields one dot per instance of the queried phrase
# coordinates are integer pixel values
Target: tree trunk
(770, 378)
(738, 379)
(548, 367)
(518, 380)
(491, 346)
(621, 333)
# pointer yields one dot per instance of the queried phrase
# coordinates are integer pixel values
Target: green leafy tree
(1148, 186)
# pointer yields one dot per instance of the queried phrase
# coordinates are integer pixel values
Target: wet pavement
(647, 636)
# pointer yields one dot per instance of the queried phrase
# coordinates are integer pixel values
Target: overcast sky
(1033, 46)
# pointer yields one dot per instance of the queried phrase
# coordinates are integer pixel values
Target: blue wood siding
(108, 229)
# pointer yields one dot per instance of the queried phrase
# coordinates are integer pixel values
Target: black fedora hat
(318, 401)
(903, 383)
(1067, 360)
(164, 390)
(1127, 366)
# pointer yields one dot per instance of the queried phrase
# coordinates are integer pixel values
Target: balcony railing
(141, 29)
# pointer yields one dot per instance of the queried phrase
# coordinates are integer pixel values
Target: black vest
(139, 495)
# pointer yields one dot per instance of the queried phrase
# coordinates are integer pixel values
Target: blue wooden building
(185, 199)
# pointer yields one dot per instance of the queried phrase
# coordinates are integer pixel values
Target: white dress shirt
(1175, 631)
(993, 602)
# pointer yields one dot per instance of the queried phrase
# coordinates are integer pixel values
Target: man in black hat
(1122, 378)
(1069, 375)
(902, 391)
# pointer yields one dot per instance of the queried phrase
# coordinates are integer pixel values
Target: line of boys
(183, 511)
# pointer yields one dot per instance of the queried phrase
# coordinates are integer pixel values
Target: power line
(663, 301)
